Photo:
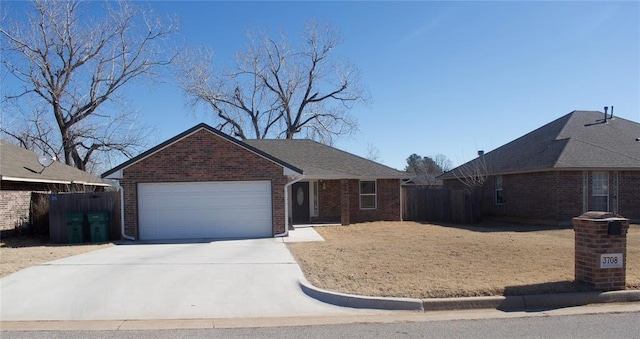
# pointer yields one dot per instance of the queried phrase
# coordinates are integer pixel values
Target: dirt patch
(405, 259)
(17, 253)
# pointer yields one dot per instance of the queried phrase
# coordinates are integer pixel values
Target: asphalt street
(611, 326)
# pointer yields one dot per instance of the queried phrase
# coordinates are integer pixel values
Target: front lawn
(17, 253)
(406, 259)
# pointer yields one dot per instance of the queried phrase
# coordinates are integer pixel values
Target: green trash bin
(75, 232)
(98, 226)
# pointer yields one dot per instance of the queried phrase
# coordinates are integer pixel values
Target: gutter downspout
(122, 233)
(286, 207)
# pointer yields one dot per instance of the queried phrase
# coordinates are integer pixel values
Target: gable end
(118, 169)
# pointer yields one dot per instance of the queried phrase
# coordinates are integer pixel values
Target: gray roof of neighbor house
(320, 161)
(579, 140)
(19, 164)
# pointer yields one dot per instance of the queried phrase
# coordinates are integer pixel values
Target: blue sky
(444, 77)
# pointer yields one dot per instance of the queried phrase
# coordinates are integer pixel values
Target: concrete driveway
(221, 279)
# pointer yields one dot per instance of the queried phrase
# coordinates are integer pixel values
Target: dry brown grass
(405, 259)
(17, 253)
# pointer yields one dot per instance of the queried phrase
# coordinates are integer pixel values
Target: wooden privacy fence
(63, 203)
(437, 205)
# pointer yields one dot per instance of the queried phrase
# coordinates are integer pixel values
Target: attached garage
(192, 210)
(205, 184)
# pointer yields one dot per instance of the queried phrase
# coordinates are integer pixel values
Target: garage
(194, 210)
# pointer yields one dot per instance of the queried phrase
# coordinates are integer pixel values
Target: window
(314, 211)
(499, 191)
(600, 191)
(367, 195)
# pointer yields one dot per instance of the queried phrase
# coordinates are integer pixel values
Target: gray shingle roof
(578, 140)
(321, 161)
(19, 164)
(308, 157)
(113, 173)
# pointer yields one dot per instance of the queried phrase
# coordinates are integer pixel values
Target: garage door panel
(205, 210)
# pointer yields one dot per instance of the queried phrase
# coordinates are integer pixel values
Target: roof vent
(480, 153)
(606, 108)
(611, 116)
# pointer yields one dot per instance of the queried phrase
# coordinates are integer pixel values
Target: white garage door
(191, 210)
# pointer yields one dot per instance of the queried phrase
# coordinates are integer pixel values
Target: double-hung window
(499, 191)
(600, 191)
(367, 195)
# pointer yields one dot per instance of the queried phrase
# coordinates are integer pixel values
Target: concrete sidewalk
(302, 234)
(390, 317)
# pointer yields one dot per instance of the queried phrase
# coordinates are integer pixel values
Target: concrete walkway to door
(219, 279)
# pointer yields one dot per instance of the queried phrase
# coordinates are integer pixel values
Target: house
(583, 161)
(203, 183)
(21, 173)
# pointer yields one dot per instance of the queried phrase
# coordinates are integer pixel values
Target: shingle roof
(188, 132)
(19, 164)
(578, 140)
(307, 157)
(321, 161)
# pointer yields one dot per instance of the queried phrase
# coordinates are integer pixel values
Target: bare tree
(373, 153)
(74, 65)
(426, 169)
(278, 90)
(443, 162)
(472, 174)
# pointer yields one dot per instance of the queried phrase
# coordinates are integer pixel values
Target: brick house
(583, 161)
(21, 174)
(203, 183)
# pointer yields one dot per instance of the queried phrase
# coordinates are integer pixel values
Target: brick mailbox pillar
(601, 250)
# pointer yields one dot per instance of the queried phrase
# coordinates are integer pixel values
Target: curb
(357, 301)
(504, 303)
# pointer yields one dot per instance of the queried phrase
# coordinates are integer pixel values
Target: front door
(300, 201)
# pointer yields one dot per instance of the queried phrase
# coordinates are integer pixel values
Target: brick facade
(14, 209)
(556, 196)
(547, 196)
(339, 202)
(202, 156)
(329, 201)
(629, 195)
(387, 206)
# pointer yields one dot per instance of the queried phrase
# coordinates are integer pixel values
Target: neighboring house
(21, 174)
(580, 162)
(203, 183)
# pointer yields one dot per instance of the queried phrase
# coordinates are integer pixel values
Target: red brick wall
(629, 195)
(553, 196)
(330, 202)
(202, 156)
(329, 206)
(387, 206)
(543, 196)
